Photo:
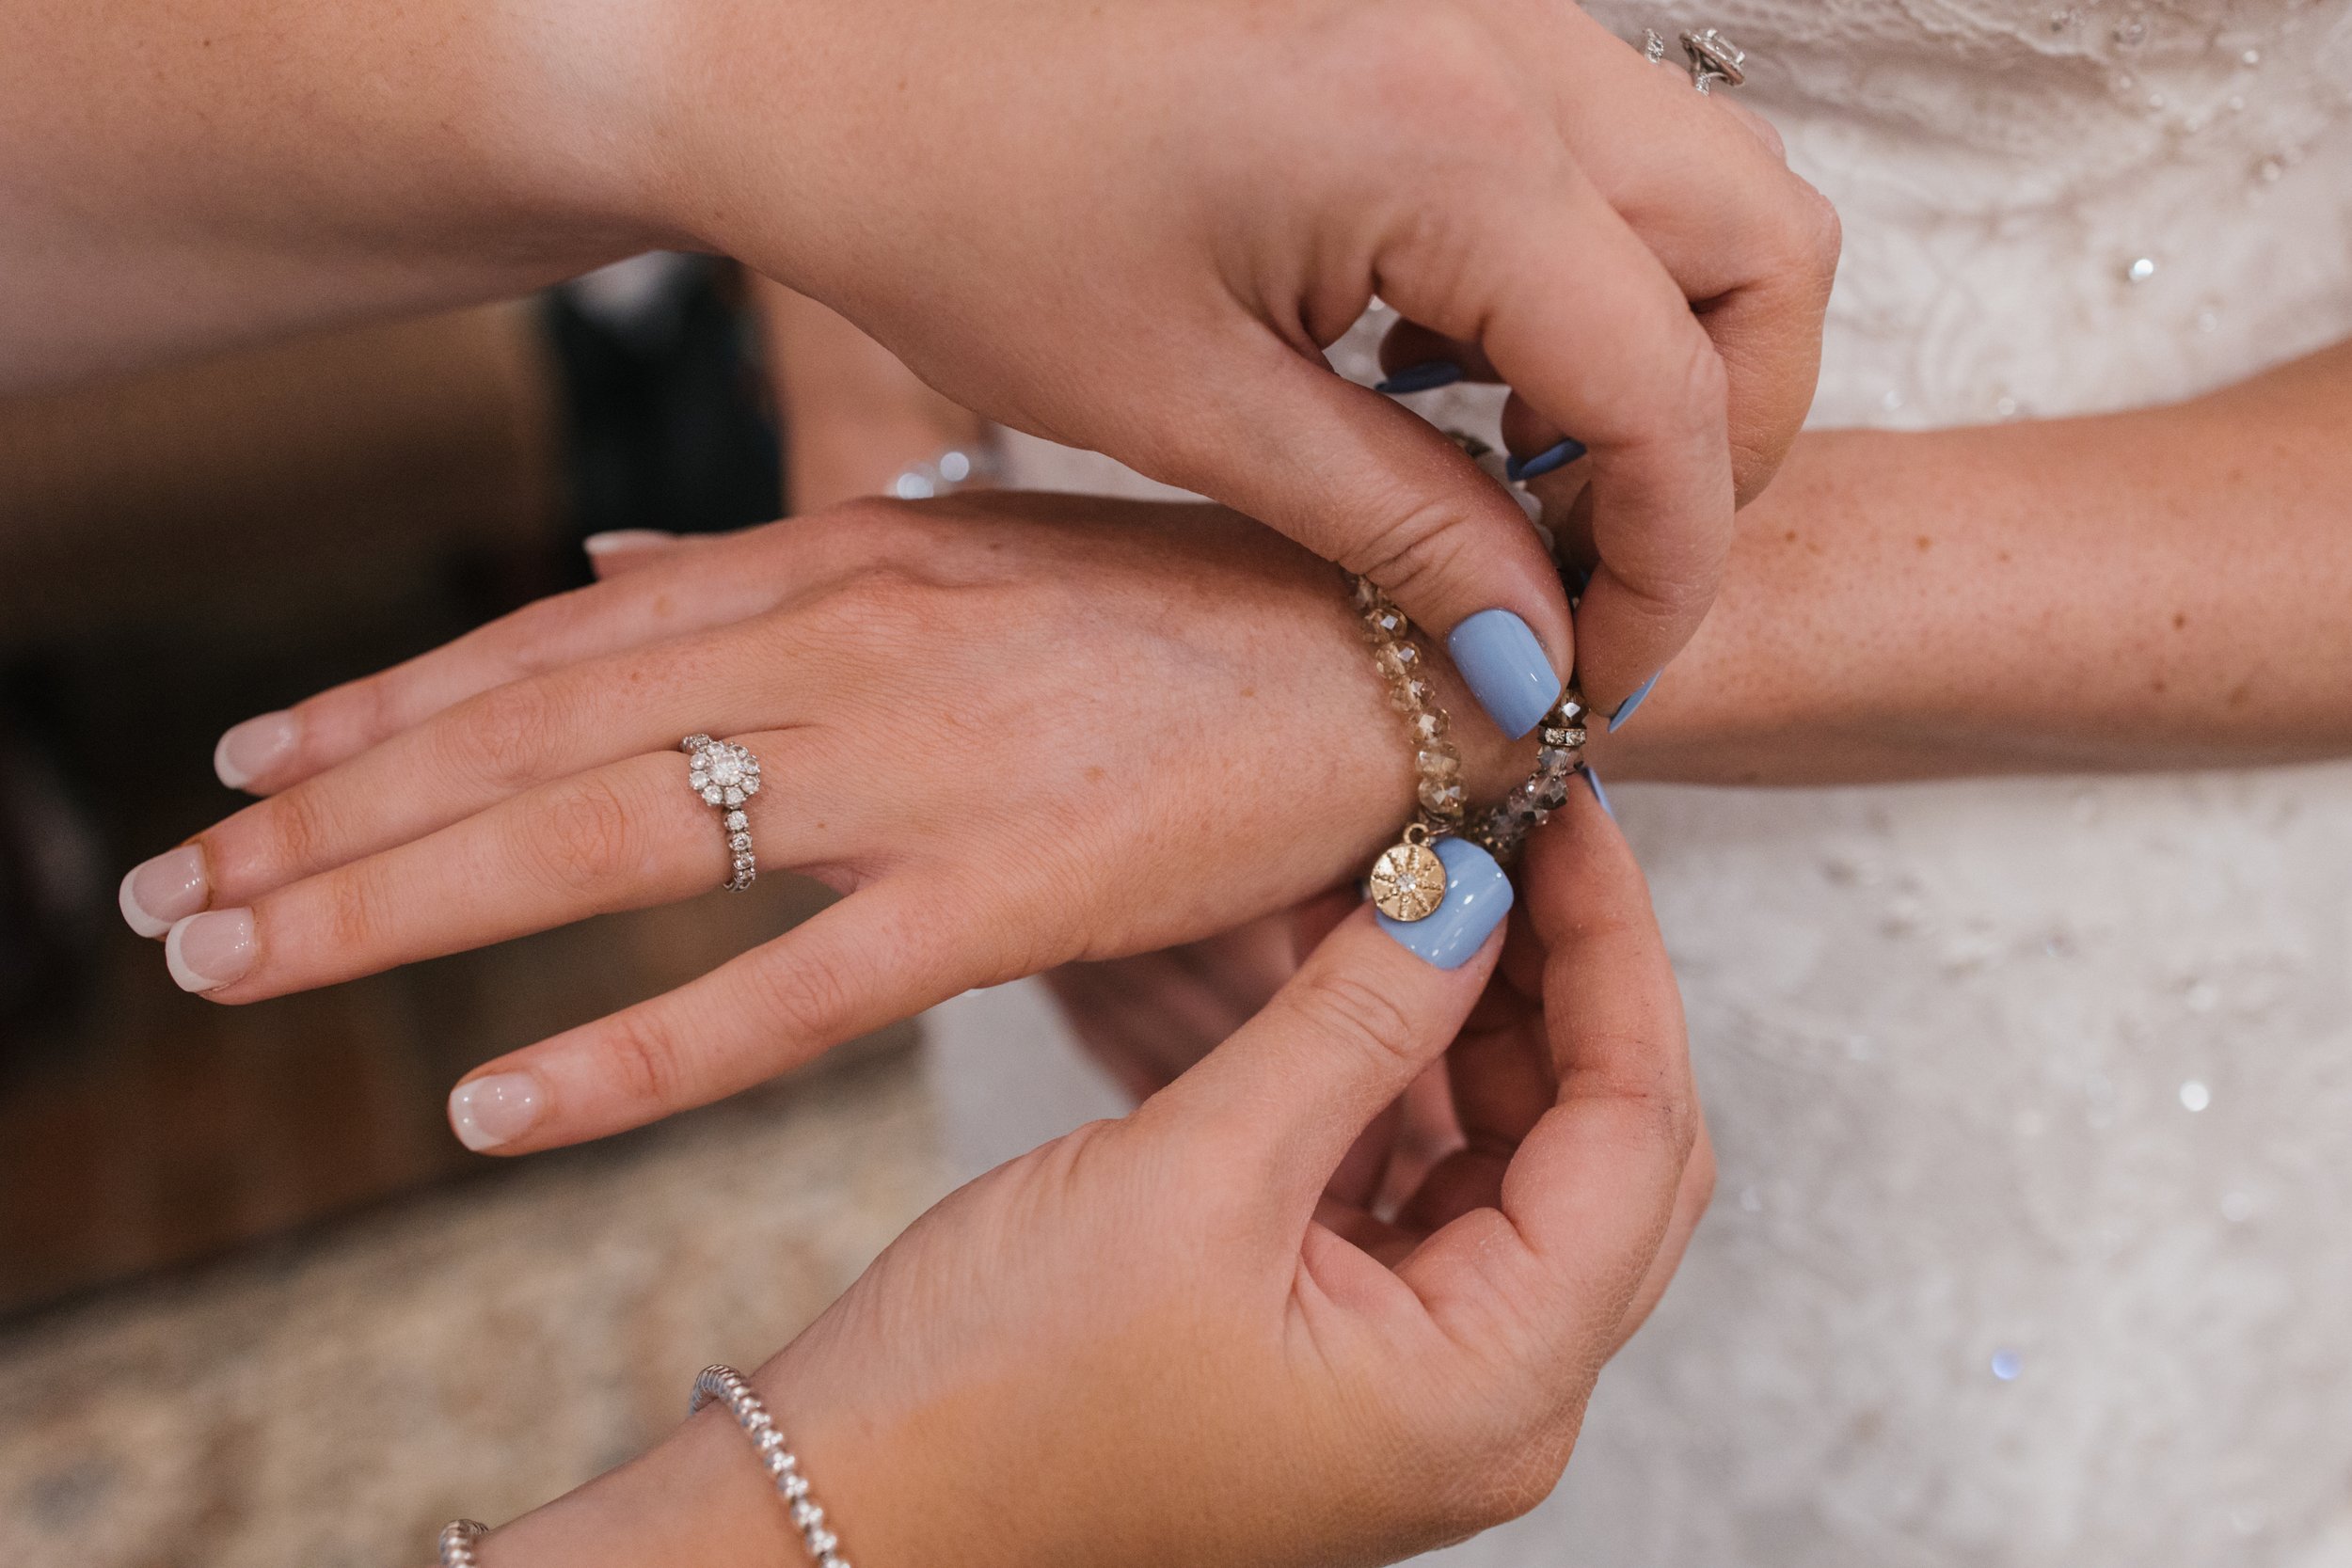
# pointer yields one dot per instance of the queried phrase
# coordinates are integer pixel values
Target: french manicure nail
(253, 748)
(167, 888)
(1599, 794)
(613, 541)
(488, 1112)
(1427, 376)
(1558, 455)
(1477, 897)
(1506, 668)
(206, 952)
(1625, 709)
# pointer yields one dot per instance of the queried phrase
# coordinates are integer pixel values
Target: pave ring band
(1713, 56)
(457, 1539)
(726, 775)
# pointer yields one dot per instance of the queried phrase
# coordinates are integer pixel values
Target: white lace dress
(2034, 1099)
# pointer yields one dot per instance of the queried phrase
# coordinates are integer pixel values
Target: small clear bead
(1429, 726)
(1442, 798)
(1555, 759)
(733, 796)
(712, 794)
(698, 780)
(751, 784)
(821, 1542)
(807, 1515)
(796, 1487)
(737, 821)
(740, 841)
(1437, 765)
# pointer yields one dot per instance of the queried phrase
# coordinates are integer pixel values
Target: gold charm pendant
(1408, 878)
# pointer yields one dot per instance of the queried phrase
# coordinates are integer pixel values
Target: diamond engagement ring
(1713, 56)
(726, 775)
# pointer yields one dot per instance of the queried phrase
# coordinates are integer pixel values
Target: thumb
(1362, 481)
(1369, 1009)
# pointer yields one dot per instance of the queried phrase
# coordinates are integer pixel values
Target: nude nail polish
(253, 748)
(205, 952)
(158, 892)
(493, 1110)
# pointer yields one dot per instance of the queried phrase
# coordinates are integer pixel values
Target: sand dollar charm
(1408, 878)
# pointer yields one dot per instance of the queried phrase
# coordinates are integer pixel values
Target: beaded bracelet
(722, 1383)
(1409, 879)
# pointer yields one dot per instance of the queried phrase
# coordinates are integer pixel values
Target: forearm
(178, 175)
(2166, 588)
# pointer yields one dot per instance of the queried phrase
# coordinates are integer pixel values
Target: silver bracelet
(457, 1539)
(726, 1384)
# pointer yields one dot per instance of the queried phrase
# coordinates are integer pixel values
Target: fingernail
(1427, 376)
(206, 952)
(1599, 794)
(1625, 709)
(1506, 668)
(253, 748)
(613, 541)
(1558, 455)
(1477, 897)
(488, 1112)
(167, 888)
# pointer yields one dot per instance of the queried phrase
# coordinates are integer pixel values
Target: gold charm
(1408, 878)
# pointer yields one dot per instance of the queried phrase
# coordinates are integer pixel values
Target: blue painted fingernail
(1427, 376)
(1558, 455)
(1506, 668)
(1477, 897)
(1599, 794)
(1625, 709)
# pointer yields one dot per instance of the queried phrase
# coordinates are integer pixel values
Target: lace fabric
(2033, 1100)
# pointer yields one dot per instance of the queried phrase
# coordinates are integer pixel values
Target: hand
(1133, 227)
(1154, 1342)
(1012, 734)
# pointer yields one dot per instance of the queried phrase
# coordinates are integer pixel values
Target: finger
(1588, 1200)
(1408, 347)
(276, 751)
(1364, 481)
(621, 550)
(622, 837)
(1596, 337)
(1691, 1201)
(1365, 1015)
(884, 952)
(491, 747)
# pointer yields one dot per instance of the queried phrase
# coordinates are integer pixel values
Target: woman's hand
(1130, 227)
(1155, 1340)
(1014, 735)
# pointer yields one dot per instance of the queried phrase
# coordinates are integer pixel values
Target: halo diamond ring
(726, 775)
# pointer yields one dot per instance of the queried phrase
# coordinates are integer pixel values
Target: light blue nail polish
(1505, 670)
(1558, 455)
(1477, 897)
(1427, 376)
(1599, 794)
(1625, 709)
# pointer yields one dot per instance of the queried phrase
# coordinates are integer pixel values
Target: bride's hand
(1155, 1340)
(1015, 730)
(1133, 227)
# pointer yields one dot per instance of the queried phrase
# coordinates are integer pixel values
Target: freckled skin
(2113, 593)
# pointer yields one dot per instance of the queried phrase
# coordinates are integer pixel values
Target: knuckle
(505, 737)
(296, 835)
(807, 994)
(589, 836)
(1425, 544)
(354, 916)
(645, 1057)
(1345, 1008)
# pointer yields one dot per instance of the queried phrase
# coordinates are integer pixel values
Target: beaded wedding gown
(2033, 1241)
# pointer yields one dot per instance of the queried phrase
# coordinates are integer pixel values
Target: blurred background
(257, 1305)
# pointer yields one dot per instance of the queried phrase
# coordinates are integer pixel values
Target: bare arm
(2169, 587)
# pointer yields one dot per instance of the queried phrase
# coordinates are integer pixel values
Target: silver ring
(726, 775)
(1712, 57)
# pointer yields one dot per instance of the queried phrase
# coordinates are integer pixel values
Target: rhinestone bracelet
(725, 1385)
(1409, 879)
